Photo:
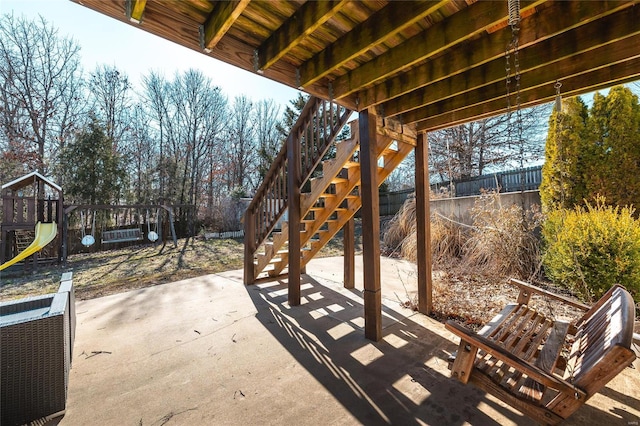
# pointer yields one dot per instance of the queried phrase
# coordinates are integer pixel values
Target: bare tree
(268, 134)
(142, 165)
(156, 99)
(188, 118)
(41, 91)
(200, 117)
(111, 92)
(496, 143)
(241, 146)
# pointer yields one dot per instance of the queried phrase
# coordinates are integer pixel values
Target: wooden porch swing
(543, 367)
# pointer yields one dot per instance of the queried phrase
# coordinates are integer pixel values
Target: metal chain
(516, 66)
(507, 69)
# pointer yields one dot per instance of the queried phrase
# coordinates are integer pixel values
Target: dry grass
(503, 240)
(472, 263)
(103, 273)
(447, 238)
(114, 271)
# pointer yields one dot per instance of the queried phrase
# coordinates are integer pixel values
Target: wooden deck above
(428, 63)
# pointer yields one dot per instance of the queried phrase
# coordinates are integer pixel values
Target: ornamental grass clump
(447, 237)
(503, 242)
(588, 250)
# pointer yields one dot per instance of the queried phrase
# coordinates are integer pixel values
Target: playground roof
(428, 63)
(27, 180)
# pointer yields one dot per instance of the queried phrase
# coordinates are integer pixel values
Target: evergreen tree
(93, 170)
(563, 177)
(593, 152)
(291, 114)
(613, 166)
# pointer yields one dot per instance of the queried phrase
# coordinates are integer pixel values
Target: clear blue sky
(107, 41)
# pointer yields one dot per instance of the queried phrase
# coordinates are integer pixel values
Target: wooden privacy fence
(391, 202)
(514, 180)
(510, 181)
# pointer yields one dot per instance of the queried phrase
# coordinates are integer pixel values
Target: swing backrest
(603, 341)
(121, 235)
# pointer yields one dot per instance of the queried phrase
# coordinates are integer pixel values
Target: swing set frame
(117, 235)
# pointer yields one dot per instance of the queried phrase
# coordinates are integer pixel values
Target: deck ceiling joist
(428, 63)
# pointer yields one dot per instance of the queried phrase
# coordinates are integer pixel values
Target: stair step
(350, 164)
(339, 180)
(388, 150)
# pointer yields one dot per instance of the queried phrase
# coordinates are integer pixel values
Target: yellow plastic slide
(45, 233)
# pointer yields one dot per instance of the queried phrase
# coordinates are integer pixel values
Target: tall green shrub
(613, 156)
(563, 179)
(590, 249)
(591, 152)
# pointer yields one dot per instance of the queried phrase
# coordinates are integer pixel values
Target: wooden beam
(370, 226)
(385, 23)
(237, 53)
(545, 58)
(220, 20)
(603, 57)
(423, 226)
(598, 79)
(304, 21)
(293, 195)
(135, 9)
(349, 236)
(549, 21)
(435, 39)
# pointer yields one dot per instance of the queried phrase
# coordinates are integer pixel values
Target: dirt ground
(469, 299)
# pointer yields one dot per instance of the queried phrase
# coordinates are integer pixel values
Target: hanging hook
(558, 85)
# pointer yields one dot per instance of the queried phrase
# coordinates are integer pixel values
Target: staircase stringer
(383, 144)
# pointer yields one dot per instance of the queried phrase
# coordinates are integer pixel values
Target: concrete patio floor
(210, 351)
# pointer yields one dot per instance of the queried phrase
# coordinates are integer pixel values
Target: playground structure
(31, 220)
(35, 223)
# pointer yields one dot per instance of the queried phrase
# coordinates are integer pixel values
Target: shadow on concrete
(403, 379)
(393, 381)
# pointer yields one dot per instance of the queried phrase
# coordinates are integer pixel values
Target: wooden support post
(370, 226)
(423, 226)
(293, 195)
(249, 247)
(349, 236)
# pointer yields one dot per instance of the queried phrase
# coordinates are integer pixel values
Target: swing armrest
(527, 290)
(475, 340)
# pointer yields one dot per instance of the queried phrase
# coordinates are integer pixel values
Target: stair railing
(317, 127)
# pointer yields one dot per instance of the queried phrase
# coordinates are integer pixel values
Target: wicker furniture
(36, 346)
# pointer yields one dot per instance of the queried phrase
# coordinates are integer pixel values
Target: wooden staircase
(331, 200)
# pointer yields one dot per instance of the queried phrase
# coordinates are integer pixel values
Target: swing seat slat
(122, 235)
